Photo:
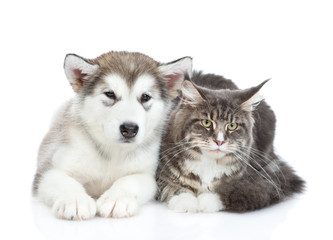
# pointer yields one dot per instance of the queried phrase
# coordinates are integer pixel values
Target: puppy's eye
(110, 94)
(232, 126)
(145, 98)
(206, 123)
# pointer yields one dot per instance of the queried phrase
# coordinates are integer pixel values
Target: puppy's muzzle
(129, 130)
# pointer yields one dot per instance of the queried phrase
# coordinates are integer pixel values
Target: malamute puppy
(101, 152)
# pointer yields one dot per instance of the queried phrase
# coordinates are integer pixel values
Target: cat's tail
(289, 181)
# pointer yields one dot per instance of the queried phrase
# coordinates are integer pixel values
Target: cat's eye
(110, 94)
(232, 126)
(206, 123)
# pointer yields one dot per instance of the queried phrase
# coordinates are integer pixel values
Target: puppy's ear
(174, 73)
(78, 70)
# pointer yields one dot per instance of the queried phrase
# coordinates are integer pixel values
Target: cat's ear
(251, 97)
(191, 95)
(78, 70)
(174, 73)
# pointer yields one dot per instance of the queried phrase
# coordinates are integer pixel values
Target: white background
(247, 41)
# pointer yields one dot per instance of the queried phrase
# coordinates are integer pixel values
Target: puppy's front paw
(209, 202)
(184, 202)
(109, 205)
(75, 208)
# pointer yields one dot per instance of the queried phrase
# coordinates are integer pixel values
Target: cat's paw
(184, 202)
(109, 205)
(75, 208)
(209, 202)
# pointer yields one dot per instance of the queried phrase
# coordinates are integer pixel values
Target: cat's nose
(219, 143)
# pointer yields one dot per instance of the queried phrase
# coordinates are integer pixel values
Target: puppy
(101, 152)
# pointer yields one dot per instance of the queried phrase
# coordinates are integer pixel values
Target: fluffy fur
(101, 152)
(217, 153)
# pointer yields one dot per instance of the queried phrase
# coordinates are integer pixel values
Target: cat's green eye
(232, 126)
(206, 123)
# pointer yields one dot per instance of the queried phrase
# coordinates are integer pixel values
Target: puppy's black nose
(129, 130)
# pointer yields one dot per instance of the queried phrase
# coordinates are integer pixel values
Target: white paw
(184, 202)
(117, 206)
(75, 208)
(209, 202)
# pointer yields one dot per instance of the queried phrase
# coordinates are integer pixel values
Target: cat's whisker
(259, 165)
(179, 144)
(174, 147)
(260, 154)
(243, 156)
(268, 161)
(261, 168)
(244, 165)
(174, 155)
(176, 152)
(278, 190)
(268, 178)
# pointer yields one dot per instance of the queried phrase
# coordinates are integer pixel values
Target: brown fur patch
(128, 65)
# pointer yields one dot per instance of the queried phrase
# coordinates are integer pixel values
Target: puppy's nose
(129, 130)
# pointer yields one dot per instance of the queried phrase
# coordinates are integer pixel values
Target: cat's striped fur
(243, 173)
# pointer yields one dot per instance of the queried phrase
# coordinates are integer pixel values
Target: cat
(217, 152)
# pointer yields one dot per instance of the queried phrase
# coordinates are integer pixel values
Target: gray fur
(257, 177)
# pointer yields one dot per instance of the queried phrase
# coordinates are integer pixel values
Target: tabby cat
(217, 153)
